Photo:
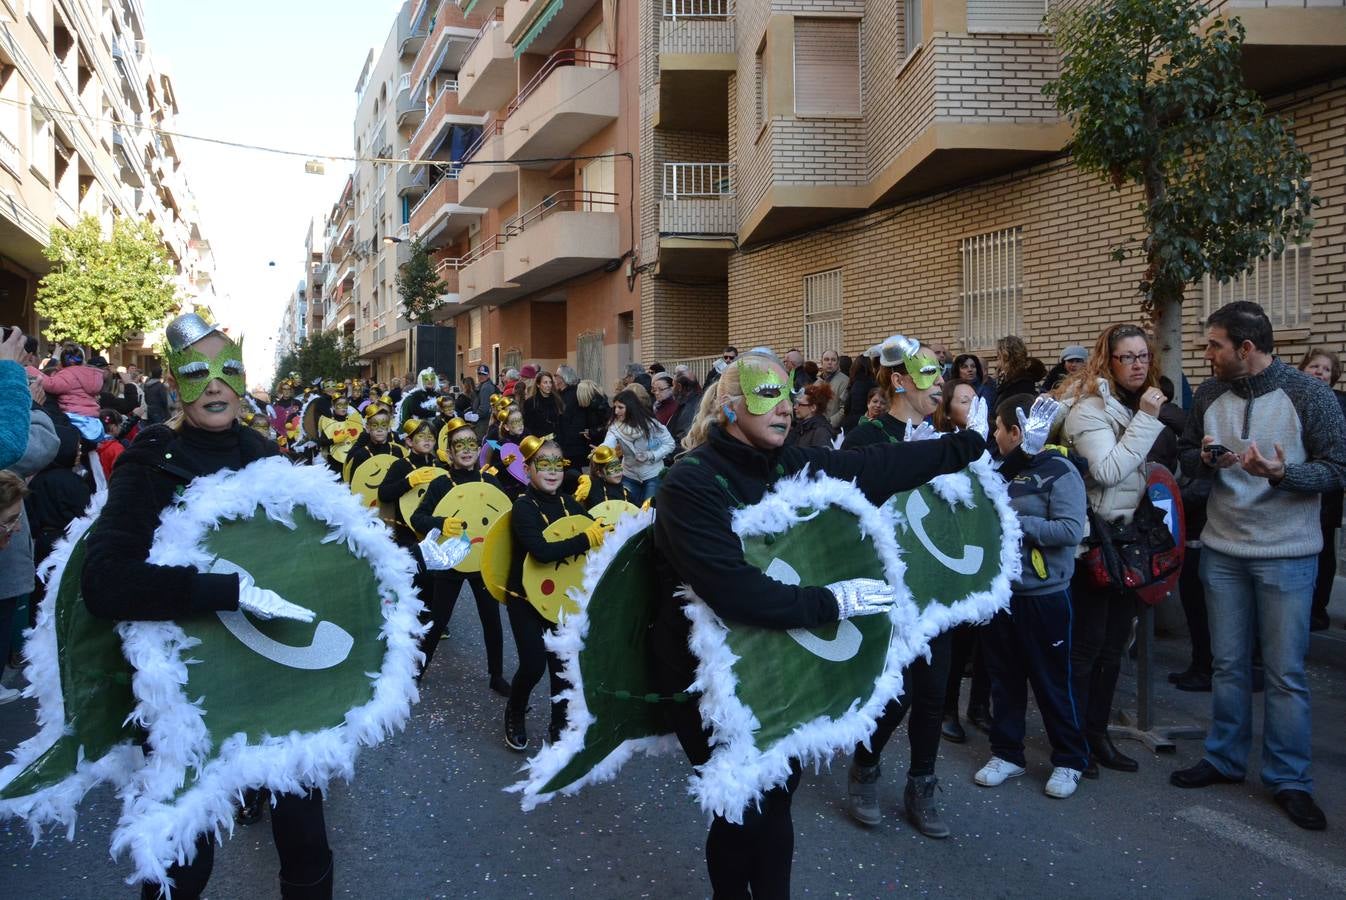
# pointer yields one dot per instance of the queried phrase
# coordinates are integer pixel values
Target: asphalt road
(426, 817)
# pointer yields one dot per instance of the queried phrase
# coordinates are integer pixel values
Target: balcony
(438, 215)
(696, 58)
(481, 275)
(698, 219)
(567, 234)
(65, 211)
(412, 31)
(410, 180)
(1290, 42)
(571, 98)
(9, 155)
(410, 107)
(487, 78)
(125, 155)
(444, 49)
(541, 26)
(442, 115)
(485, 179)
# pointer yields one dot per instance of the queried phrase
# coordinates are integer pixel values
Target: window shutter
(1020, 16)
(827, 67)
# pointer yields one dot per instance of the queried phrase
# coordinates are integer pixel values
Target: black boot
(516, 732)
(952, 729)
(254, 806)
(316, 890)
(979, 717)
(922, 813)
(1108, 756)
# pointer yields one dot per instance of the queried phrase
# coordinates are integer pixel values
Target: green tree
(99, 291)
(1156, 94)
(322, 355)
(419, 285)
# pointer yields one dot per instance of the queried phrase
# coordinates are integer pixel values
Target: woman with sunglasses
(812, 428)
(540, 505)
(734, 454)
(464, 451)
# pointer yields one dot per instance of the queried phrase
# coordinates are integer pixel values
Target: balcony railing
(560, 59)
(487, 28)
(698, 180)
(66, 210)
(561, 201)
(697, 26)
(9, 154)
(489, 129)
(434, 196)
(481, 251)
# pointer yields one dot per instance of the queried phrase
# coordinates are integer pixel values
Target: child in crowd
(76, 388)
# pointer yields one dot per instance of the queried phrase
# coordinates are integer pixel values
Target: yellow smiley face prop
(368, 475)
(480, 505)
(411, 499)
(609, 511)
(342, 433)
(547, 584)
(495, 555)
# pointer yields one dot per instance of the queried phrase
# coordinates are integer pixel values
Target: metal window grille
(759, 90)
(474, 335)
(1013, 16)
(513, 358)
(697, 9)
(992, 286)
(822, 313)
(589, 356)
(1282, 284)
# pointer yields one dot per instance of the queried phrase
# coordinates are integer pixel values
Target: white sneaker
(1063, 782)
(997, 772)
(9, 694)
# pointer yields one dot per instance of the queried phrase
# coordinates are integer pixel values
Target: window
(589, 356)
(822, 313)
(827, 67)
(759, 88)
(911, 26)
(992, 286)
(1016, 16)
(9, 119)
(1282, 284)
(474, 335)
(39, 145)
(599, 178)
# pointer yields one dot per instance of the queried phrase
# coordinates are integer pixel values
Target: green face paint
(923, 369)
(195, 370)
(762, 388)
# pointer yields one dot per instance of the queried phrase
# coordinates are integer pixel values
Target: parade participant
(374, 440)
(463, 453)
(413, 471)
(910, 375)
(420, 403)
(605, 478)
(118, 582)
(340, 431)
(536, 508)
(734, 455)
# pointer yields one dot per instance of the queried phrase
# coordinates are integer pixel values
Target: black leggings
(965, 644)
(445, 587)
(300, 834)
(924, 686)
(752, 859)
(1193, 595)
(1100, 629)
(528, 627)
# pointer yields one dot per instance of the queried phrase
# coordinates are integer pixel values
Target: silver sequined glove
(1038, 423)
(861, 597)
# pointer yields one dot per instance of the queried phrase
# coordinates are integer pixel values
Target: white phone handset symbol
(967, 564)
(330, 646)
(842, 647)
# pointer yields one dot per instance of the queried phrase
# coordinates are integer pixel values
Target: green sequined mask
(195, 370)
(923, 369)
(762, 388)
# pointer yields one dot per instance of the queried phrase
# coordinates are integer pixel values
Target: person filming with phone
(1273, 440)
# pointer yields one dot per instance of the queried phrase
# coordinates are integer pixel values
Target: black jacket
(117, 582)
(533, 512)
(542, 416)
(156, 401)
(570, 429)
(56, 495)
(857, 396)
(424, 518)
(815, 431)
(395, 483)
(365, 448)
(886, 429)
(601, 492)
(695, 544)
(682, 420)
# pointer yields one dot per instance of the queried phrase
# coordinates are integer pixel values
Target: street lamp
(389, 239)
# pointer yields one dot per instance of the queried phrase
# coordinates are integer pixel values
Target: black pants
(528, 627)
(1101, 628)
(1193, 595)
(1030, 644)
(445, 587)
(924, 686)
(300, 833)
(752, 859)
(1327, 573)
(964, 646)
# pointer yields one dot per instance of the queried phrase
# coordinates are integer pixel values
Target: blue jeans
(1272, 598)
(641, 490)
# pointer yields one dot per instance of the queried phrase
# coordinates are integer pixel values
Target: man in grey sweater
(1273, 439)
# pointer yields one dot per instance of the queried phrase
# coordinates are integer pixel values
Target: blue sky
(279, 73)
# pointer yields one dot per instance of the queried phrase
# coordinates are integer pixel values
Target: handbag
(1130, 555)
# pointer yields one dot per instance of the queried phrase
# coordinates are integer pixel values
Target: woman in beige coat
(1112, 422)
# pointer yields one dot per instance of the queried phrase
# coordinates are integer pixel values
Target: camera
(29, 342)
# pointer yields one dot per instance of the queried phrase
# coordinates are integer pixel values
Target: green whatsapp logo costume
(950, 547)
(275, 703)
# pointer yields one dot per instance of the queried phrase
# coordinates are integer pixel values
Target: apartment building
(524, 171)
(315, 275)
(893, 166)
(81, 105)
(294, 320)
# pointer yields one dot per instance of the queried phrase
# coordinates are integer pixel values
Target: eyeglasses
(464, 444)
(550, 464)
(12, 524)
(1129, 359)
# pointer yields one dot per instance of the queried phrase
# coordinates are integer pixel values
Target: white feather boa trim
(566, 642)
(160, 827)
(57, 805)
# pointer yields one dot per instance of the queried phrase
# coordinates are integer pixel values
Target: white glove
(922, 432)
(861, 597)
(976, 417)
(1038, 423)
(265, 604)
(471, 416)
(439, 557)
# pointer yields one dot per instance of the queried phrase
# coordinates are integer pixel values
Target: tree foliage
(419, 285)
(99, 291)
(1158, 100)
(325, 354)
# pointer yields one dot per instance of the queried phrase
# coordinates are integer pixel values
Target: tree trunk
(1165, 297)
